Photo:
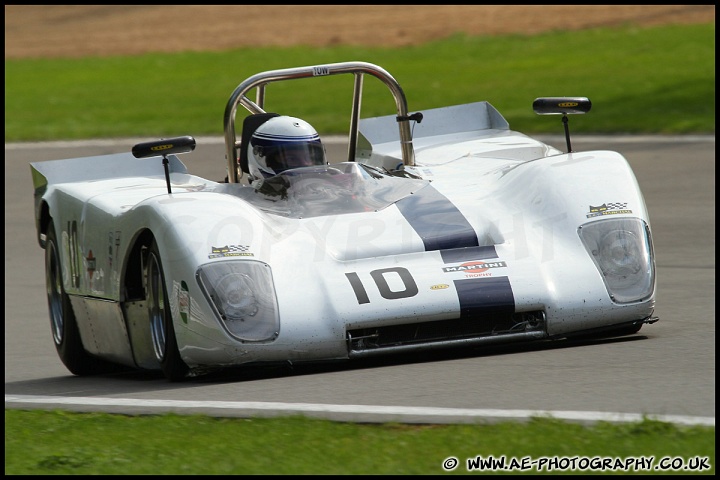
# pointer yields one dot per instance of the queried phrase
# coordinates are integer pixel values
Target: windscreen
(326, 190)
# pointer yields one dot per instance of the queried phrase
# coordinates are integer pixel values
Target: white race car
(442, 228)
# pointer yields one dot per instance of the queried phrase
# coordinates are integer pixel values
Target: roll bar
(358, 69)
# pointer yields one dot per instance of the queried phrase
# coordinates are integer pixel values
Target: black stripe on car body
(437, 220)
(468, 253)
(485, 295)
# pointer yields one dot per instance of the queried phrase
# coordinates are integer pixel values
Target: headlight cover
(623, 253)
(244, 298)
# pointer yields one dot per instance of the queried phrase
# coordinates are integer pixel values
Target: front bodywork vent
(490, 328)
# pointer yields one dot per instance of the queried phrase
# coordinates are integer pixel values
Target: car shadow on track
(128, 381)
(262, 372)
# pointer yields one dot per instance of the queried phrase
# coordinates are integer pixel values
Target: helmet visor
(283, 156)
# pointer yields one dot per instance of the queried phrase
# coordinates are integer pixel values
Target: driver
(283, 143)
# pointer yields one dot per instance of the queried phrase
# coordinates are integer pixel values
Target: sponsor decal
(568, 104)
(440, 286)
(74, 253)
(111, 237)
(320, 71)
(157, 148)
(230, 251)
(476, 268)
(612, 208)
(90, 264)
(113, 241)
(184, 301)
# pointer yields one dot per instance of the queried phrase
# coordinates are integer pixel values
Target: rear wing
(102, 167)
(468, 117)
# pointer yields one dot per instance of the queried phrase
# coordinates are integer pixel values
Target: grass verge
(59, 443)
(640, 80)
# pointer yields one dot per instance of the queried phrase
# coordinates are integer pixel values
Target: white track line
(366, 413)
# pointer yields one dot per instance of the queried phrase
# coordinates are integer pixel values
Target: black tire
(66, 335)
(160, 321)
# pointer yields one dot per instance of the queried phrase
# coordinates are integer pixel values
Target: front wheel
(65, 331)
(162, 331)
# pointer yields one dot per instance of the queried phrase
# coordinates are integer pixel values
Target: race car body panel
(479, 235)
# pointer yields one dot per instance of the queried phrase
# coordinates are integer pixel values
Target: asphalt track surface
(666, 371)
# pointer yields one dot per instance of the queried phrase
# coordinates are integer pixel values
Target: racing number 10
(381, 283)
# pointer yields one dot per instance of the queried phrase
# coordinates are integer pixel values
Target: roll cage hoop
(358, 69)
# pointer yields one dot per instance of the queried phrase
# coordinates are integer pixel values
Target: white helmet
(283, 143)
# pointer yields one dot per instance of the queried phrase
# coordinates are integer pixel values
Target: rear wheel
(63, 323)
(162, 331)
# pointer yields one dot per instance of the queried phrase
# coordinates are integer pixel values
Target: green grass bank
(657, 80)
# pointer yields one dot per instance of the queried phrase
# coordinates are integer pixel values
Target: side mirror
(562, 106)
(164, 147)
